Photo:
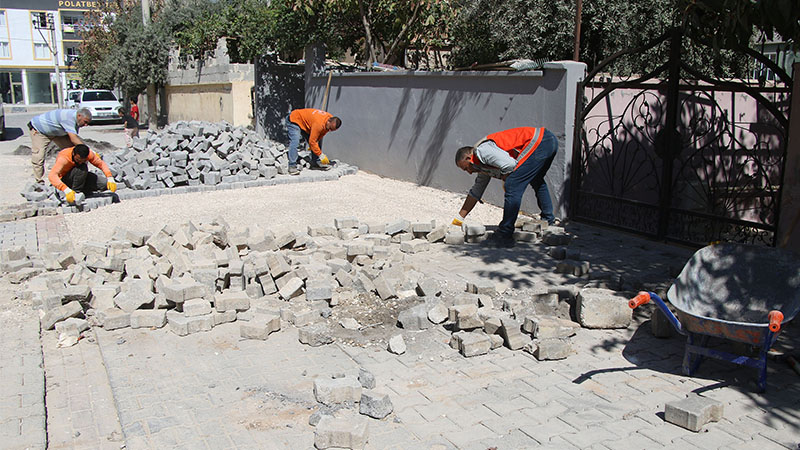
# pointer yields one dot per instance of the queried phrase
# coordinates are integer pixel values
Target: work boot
(498, 240)
(315, 165)
(293, 170)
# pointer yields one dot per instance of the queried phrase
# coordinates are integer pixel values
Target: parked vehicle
(73, 98)
(102, 103)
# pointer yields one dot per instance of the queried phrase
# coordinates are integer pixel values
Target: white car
(73, 97)
(103, 104)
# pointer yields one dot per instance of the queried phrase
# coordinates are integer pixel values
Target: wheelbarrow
(737, 292)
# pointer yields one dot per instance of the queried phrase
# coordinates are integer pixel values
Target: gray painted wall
(408, 125)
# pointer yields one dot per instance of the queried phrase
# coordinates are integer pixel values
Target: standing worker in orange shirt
(70, 173)
(312, 124)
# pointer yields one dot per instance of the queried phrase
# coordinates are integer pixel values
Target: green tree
(119, 50)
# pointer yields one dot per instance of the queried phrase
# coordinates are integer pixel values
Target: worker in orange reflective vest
(520, 157)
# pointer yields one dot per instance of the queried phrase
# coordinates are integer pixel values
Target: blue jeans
(295, 133)
(532, 172)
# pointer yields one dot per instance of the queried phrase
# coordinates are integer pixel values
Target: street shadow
(665, 355)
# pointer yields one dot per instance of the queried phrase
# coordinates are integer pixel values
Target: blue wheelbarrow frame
(737, 292)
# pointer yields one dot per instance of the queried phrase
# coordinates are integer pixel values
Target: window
(2, 19)
(40, 51)
(98, 96)
(4, 51)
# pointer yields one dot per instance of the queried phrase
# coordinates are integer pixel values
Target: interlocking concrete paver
(632, 442)
(590, 435)
(213, 390)
(547, 429)
(757, 443)
(22, 424)
(712, 439)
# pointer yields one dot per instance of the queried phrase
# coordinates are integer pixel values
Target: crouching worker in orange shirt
(71, 173)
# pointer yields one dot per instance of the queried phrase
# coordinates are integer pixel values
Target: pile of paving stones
(183, 157)
(337, 424)
(194, 277)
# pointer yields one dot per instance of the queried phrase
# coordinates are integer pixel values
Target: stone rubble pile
(192, 278)
(189, 156)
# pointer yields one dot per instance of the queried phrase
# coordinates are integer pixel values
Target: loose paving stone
(375, 404)
(438, 313)
(348, 323)
(512, 336)
(113, 318)
(466, 317)
(693, 412)
(602, 308)
(224, 317)
(471, 343)
(71, 309)
(550, 349)
(481, 287)
(260, 327)
(397, 345)
(231, 301)
(331, 391)
(315, 335)
(384, 288)
(348, 432)
(72, 326)
(148, 318)
(366, 378)
(196, 307)
(414, 318)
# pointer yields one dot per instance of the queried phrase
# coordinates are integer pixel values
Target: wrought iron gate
(678, 155)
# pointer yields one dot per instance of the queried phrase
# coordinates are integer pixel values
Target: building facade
(29, 32)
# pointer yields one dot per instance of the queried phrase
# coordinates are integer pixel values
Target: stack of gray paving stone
(197, 153)
(184, 157)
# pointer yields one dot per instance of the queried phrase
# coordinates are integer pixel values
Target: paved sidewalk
(142, 389)
(80, 405)
(22, 410)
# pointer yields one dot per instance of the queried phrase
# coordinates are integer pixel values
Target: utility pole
(577, 52)
(150, 99)
(46, 21)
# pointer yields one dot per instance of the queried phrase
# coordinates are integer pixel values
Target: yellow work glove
(457, 221)
(70, 194)
(111, 184)
(324, 159)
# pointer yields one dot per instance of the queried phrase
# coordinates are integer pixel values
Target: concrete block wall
(407, 125)
(211, 90)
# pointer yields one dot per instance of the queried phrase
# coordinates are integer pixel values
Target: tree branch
(400, 36)
(367, 34)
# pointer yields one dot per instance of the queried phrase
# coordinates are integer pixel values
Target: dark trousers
(532, 173)
(79, 179)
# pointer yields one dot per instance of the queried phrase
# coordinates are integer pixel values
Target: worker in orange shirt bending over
(70, 173)
(312, 124)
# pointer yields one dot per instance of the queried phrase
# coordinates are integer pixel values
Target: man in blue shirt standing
(59, 126)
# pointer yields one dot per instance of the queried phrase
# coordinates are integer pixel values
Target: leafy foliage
(119, 50)
(731, 23)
